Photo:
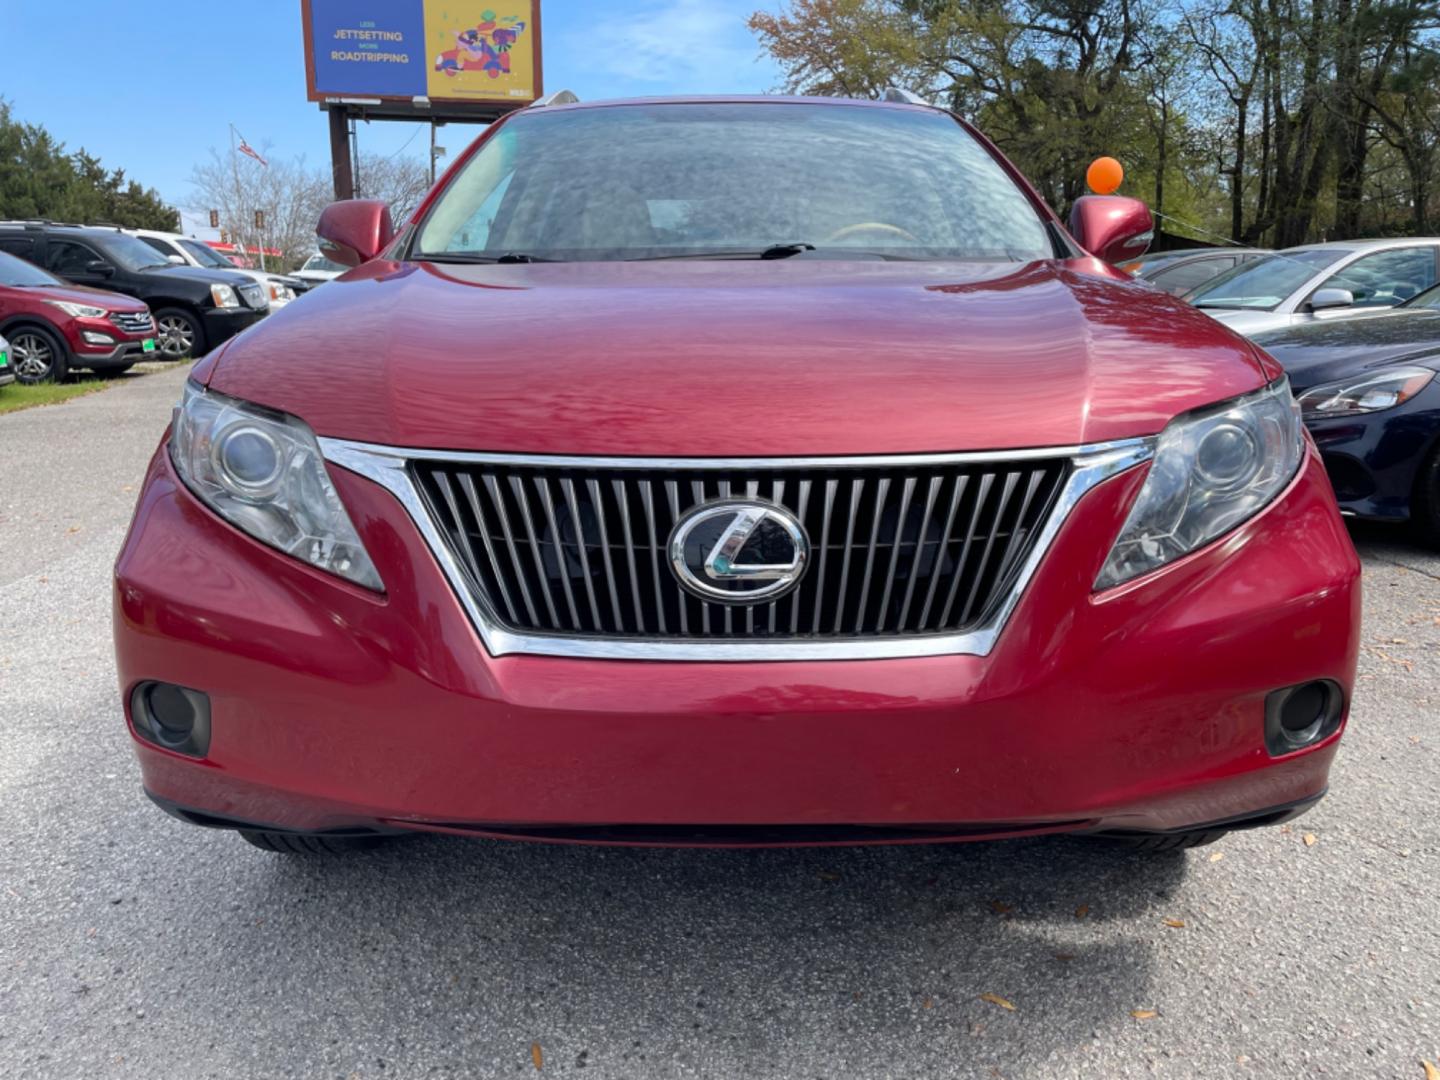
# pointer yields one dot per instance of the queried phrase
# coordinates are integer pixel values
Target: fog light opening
(171, 716)
(1302, 715)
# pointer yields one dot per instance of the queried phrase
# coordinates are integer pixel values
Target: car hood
(205, 275)
(737, 358)
(80, 294)
(1322, 352)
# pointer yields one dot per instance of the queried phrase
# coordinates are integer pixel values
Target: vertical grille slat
(917, 559)
(598, 503)
(1005, 492)
(498, 500)
(467, 485)
(567, 489)
(622, 497)
(906, 494)
(876, 520)
(517, 488)
(583, 550)
(857, 488)
(562, 571)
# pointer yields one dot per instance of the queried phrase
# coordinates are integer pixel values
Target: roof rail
(558, 97)
(899, 96)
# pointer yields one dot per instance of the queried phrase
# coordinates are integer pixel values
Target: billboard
(478, 51)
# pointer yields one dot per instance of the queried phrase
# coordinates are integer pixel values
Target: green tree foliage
(1269, 121)
(40, 179)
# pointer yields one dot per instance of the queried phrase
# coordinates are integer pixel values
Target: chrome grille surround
(409, 475)
(253, 295)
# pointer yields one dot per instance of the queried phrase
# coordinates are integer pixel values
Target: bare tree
(291, 194)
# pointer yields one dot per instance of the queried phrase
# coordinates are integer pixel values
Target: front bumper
(1372, 458)
(221, 324)
(1141, 709)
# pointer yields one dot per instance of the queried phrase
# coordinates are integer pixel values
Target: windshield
(130, 252)
(18, 273)
(668, 181)
(319, 262)
(1265, 283)
(205, 255)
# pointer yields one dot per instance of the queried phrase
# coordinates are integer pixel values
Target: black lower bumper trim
(1256, 819)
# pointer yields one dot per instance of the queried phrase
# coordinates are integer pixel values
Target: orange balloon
(1104, 176)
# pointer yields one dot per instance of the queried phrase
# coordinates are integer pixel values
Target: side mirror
(354, 231)
(1327, 299)
(1112, 227)
(175, 260)
(100, 268)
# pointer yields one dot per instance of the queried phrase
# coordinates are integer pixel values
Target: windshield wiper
(774, 251)
(510, 257)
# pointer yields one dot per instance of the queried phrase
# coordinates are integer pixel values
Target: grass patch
(15, 396)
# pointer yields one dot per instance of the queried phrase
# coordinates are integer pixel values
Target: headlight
(79, 311)
(1370, 392)
(262, 471)
(279, 291)
(224, 296)
(1213, 469)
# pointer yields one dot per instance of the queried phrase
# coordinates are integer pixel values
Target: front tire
(178, 334)
(1160, 842)
(1425, 500)
(281, 843)
(38, 356)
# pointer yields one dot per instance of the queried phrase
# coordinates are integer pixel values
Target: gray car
(1318, 282)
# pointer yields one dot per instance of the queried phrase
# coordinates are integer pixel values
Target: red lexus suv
(736, 471)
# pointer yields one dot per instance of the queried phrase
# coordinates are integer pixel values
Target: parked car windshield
(18, 273)
(319, 262)
(205, 255)
(730, 179)
(1264, 283)
(130, 252)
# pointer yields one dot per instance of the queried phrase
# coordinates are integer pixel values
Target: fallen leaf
(999, 908)
(996, 999)
(1217, 856)
(826, 875)
(929, 1003)
(1175, 924)
(72, 530)
(1082, 911)
(1431, 1072)
(1309, 839)
(537, 1057)
(1064, 957)
(1144, 1014)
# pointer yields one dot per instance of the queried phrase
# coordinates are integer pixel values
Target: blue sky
(150, 87)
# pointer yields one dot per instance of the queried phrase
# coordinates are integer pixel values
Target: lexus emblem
(738, 552)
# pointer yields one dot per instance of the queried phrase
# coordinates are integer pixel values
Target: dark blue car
(1368, 392)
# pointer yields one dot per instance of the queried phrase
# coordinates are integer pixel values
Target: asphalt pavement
(134, 946)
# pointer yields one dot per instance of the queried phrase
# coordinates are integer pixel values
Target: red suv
(743, 471)
(53, 326)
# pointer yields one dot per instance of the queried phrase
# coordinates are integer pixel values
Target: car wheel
(1166, 841)
(282, 843)
(178, 334)
(37, 355)
(1425, 502)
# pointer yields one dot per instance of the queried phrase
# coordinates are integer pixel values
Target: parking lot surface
(134, 946)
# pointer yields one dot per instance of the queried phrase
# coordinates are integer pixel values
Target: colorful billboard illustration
(445, 50)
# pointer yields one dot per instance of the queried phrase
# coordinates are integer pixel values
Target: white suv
(187, 251)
